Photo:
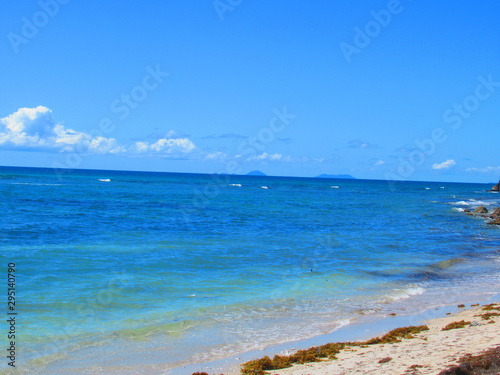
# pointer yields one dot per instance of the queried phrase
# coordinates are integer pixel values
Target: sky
(397, 90)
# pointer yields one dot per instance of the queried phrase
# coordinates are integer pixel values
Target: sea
(143, 273)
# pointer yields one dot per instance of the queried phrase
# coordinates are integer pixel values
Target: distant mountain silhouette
(256, 173)
(344, 176)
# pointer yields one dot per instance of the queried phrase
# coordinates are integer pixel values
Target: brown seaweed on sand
(317, 353)
(487, 363)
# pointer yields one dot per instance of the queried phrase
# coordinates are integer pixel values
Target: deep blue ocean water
(116, 270)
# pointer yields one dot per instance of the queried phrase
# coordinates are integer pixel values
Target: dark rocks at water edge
(481, 210)
(496, 187)
(495, 213)
(495, 221)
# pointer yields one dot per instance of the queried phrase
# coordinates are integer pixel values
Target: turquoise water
(126, 270)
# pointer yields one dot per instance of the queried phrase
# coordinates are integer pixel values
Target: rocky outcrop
(481, 210)
(496, 187)
(495, 221)
(495, 213)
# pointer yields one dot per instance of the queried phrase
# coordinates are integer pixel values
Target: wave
(104, 179)
(472, 202)
(237, 185)
(404, 293)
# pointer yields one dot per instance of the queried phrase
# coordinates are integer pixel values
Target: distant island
(344, 176)
(256, 173)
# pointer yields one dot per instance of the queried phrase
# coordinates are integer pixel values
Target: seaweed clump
(396, 335)
(314, 354)
(491, 306)
(488, 315)
(487, 363)
(455, 325)
(317, 353)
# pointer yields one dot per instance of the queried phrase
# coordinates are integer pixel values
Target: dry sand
(434, 350)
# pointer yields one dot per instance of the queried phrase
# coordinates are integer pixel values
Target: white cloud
(35, 128)
(445, 165)
(265, 157)
(484, 170)
(380, 162)
(165, 146)
(217, 156)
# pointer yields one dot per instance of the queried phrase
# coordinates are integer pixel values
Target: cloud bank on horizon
(35, 129)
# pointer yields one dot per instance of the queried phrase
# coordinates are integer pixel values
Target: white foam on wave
(458, 209)
(237, 185)
(334, 187)
(400, 294)
(264, 187)
(104, 179)
(472, 202)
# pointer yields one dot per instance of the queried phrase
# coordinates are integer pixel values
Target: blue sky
(378, 89)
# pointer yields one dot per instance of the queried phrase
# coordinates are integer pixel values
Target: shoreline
(429, 352)
(360, 330)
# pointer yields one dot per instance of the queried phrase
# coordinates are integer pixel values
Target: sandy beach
(428, 352)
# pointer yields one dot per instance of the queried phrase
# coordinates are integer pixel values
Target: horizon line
(247, 175)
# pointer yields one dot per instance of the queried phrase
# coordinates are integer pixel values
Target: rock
(495, 221)
(495, 213)
(496, 187)
(481, 210)
(466, 210)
